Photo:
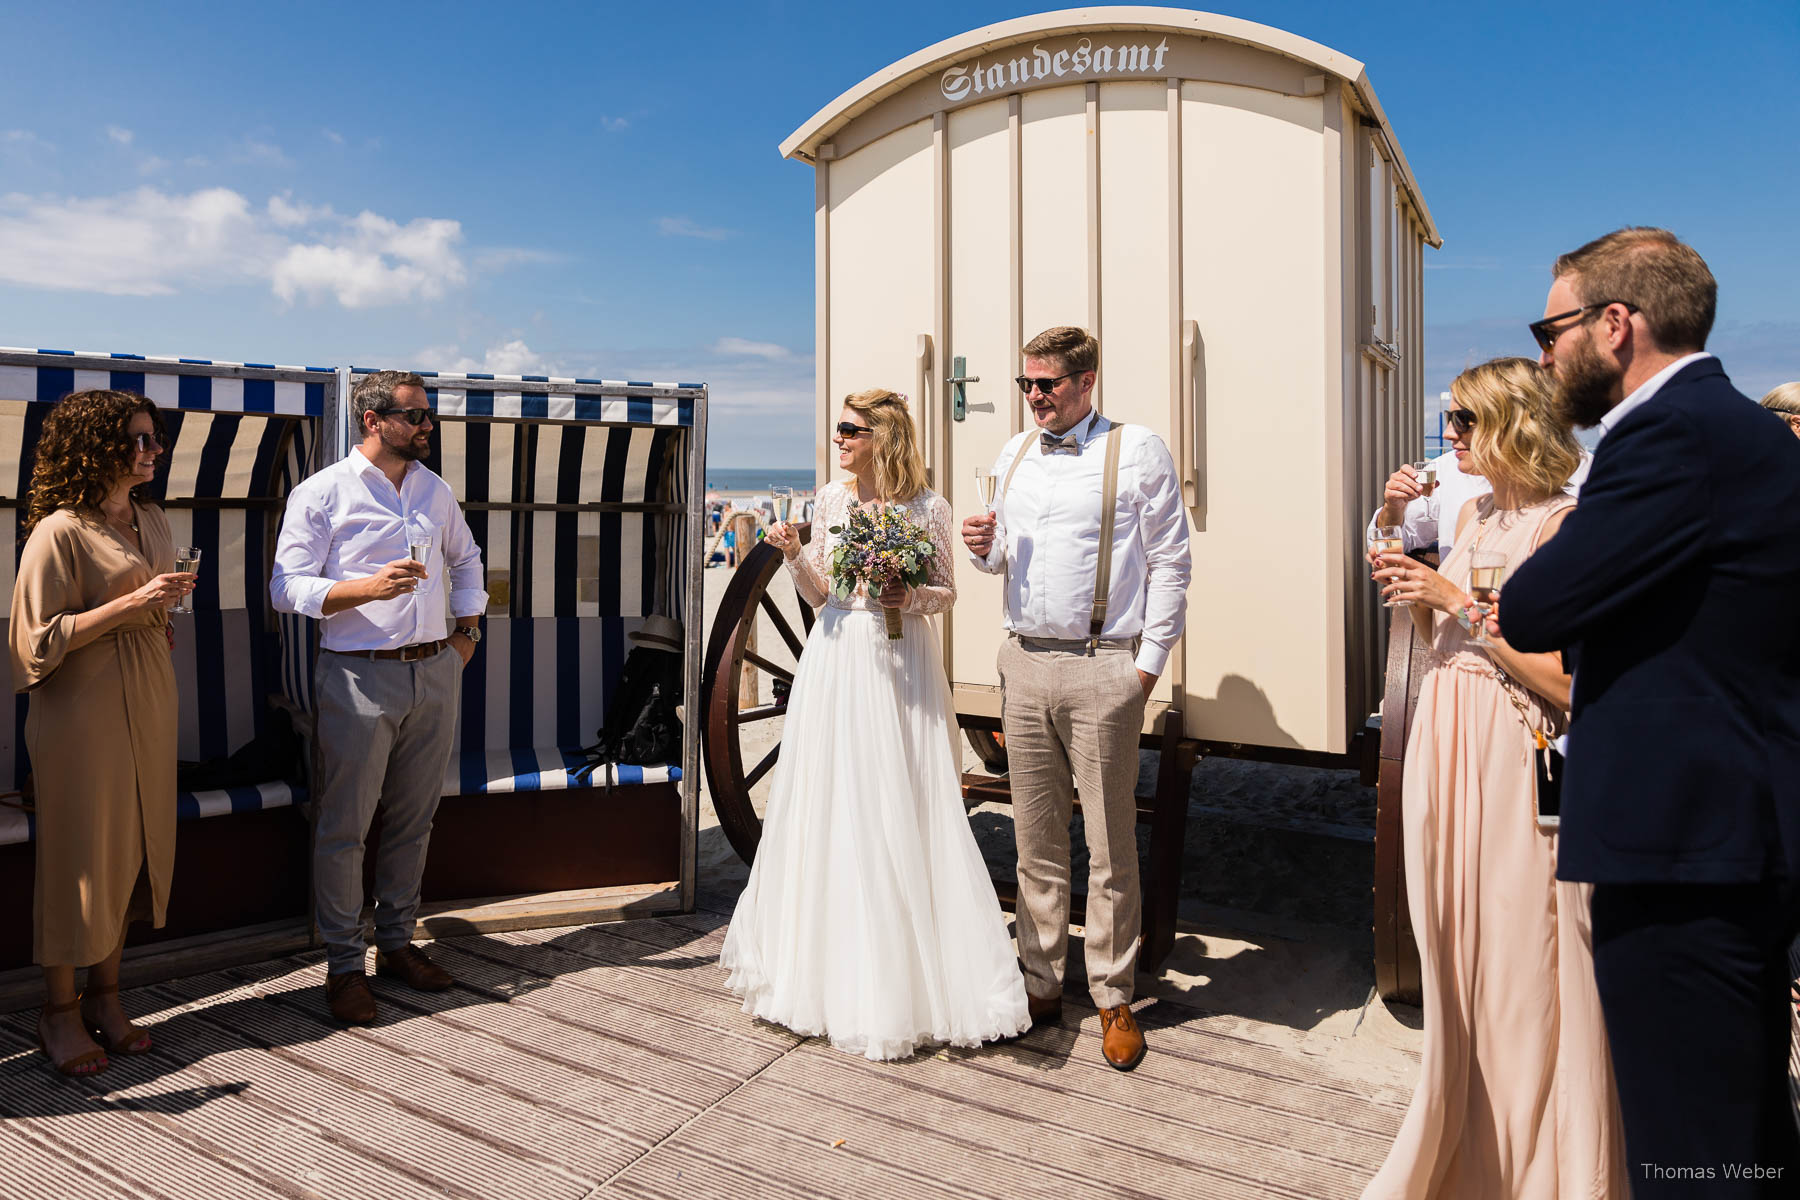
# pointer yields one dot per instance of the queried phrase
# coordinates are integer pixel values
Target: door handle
(959, 394)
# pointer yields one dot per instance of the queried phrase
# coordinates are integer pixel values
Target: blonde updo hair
(898, 468)
(1783, 398)
(1517, 436)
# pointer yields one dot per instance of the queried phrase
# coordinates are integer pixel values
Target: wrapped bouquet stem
(876, 547)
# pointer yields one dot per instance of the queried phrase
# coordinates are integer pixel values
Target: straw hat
(659, 633)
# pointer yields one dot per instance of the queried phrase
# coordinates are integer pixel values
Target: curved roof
(803, 143)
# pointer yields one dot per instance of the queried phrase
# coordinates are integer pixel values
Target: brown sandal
(71, 1067)
(135, 1041)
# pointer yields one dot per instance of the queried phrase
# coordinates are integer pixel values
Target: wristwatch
(472, 632)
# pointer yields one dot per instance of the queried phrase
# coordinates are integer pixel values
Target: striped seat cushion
(17, 825)
(542, 768)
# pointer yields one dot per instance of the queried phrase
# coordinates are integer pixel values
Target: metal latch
(959, 395)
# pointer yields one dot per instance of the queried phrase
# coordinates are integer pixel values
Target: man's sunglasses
(1461, 419)
(145, 442)
(848, 429)
(1546, 331)
(1045, 386)
(412, 416)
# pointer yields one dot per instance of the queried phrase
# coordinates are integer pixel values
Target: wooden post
(745, 524)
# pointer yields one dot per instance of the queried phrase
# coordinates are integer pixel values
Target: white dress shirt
(1645, 391)
(1420, 522)
(1047, 541)
(349, 521)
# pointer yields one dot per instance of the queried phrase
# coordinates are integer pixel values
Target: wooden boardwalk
(610, 1061)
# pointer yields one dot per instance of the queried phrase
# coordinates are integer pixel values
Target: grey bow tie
(1059, 445)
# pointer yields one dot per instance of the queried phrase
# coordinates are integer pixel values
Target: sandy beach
(1276, 909)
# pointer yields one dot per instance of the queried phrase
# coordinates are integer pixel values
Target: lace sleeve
(938, 592)
(808, 567)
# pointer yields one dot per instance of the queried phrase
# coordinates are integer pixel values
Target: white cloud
(152, 165)
(613, 124)
(685, 227)
(262, 154)
(739, 347)
(121, 136)
(151, 243)
(508, 358)
(333, 136)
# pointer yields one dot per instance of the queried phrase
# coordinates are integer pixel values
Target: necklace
(126, 523)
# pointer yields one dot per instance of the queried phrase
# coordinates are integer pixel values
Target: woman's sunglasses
(144, 442)
(1045, 386)
(412, 416)
(847, 429)
(1461, 419)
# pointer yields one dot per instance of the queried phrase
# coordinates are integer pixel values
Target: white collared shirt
(1421, 522)
(348, 521)
(1048, 540)
(1645, 391)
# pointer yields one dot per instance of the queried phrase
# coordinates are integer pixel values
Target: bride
(869, 917)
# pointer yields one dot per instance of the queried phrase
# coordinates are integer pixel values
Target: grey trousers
(384, 731)
(1066, 715)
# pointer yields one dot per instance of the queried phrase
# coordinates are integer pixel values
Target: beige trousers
(1067, 714)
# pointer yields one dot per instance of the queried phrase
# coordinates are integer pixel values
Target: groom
(1096, 596)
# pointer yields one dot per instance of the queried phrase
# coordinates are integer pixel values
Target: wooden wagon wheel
(748, 614)
(1396, 949)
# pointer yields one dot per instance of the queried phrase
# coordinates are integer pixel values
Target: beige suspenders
(1109, 496)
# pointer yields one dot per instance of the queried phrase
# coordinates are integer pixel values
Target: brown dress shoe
(1122, 1042)
(1044, 1010)
(414, 969)
(350, 998)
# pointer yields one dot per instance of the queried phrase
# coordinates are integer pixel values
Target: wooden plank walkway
(610, 1061)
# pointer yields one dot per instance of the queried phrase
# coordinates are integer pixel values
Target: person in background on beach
(389, 674)
(1091, 627)
(90, 642)
(1515, 1095)
(730, 543)
(1674, 583)
(1784, 401)
(869, 917)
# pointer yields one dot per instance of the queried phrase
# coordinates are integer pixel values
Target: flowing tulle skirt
(869, 917)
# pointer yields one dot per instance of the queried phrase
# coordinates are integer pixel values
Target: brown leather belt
(412, 653)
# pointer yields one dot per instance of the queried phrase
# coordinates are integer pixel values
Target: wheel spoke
(781, 624)
(752, 656)
(761, 769)
(763, 713)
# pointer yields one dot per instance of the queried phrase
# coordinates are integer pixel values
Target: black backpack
(641, 723)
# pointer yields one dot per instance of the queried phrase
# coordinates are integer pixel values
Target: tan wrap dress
(101, 731)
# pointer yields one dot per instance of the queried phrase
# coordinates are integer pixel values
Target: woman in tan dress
(90, 642)
(1515, 1096)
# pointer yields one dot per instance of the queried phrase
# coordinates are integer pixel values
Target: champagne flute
(418, 548)
(1487, 569)
(784, 502)
(1387, 540)
(187, 559)
(985, 483)
(1427, 473)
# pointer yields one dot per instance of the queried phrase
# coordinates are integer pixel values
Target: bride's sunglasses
(848, 429)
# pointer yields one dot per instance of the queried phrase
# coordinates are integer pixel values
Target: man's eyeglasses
(412, 416)
(1461, 420)
(145, 442)
(1546, 331)
(1045, 386)
(848, 429)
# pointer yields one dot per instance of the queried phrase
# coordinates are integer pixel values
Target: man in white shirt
(388, 678)
(1074, 673)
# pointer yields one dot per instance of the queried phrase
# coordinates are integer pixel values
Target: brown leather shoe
(351, 1000)
(414, 969)
(1122, 1043)
(1044, 1010)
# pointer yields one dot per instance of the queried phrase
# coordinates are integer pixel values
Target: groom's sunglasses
(847, 429)
(412, 416)
(1046, 386)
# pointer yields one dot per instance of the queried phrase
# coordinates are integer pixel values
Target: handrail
(1183, 421)
(926, 410)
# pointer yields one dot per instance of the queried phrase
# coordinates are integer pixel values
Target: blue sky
(596, 190)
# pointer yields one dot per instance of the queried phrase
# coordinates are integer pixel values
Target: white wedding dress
(869, 918)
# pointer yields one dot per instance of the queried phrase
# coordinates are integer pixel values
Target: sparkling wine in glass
(1427, 473)
(784, 502)
(1487, 569)
(985, 483)
(1387, 540)
(187, 559)
(418, 548)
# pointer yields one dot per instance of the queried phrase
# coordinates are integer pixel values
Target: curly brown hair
(83, 450)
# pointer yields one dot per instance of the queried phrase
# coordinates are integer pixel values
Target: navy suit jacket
(1676, 583)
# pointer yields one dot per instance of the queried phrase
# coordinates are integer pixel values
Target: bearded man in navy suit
(1675, 589)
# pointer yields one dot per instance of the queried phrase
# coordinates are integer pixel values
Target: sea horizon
(760, 479)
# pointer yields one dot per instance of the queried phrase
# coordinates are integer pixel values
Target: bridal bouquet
(875, 548)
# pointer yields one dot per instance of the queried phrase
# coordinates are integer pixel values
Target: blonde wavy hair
(897, 465)
(1517, 435)
(1783, 398)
